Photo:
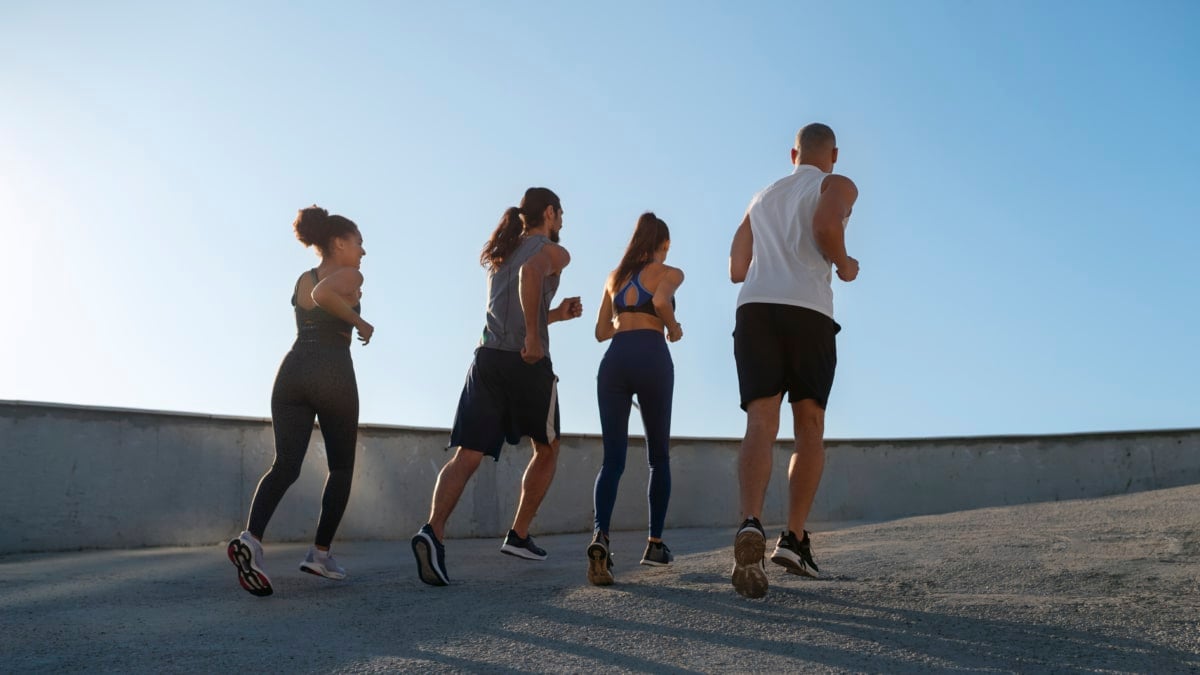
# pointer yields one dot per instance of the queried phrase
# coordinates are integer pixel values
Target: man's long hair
(517, 219)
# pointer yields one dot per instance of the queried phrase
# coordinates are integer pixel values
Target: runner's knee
(808, 418)
(468, 458)
(546, 449)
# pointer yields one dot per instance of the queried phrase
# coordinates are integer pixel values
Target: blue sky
(1027, 224)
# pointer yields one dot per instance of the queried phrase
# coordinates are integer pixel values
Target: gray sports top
(505, 329)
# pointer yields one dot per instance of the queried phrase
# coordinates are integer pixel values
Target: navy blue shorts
(505, 398)
(782, 348)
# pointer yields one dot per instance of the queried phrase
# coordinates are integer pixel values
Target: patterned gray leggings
(313, 381)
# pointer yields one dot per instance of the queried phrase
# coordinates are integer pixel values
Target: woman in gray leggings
(316, 379)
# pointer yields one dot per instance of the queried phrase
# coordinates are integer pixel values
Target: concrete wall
(86, 477)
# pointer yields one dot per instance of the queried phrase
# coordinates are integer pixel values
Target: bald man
(784, 253)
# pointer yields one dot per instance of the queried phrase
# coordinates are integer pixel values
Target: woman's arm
(331, 295)
(604, 320)
(671, 280)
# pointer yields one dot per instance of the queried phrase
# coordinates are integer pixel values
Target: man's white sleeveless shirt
(787, 267)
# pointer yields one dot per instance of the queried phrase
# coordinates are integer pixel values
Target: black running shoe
(657, 554)
(599, 561)
(431, 557)
(749, 570)
(795, 555)
(522, 548)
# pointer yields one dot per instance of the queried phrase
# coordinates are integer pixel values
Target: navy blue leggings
(637, 362)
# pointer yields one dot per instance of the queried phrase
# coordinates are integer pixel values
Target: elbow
(321, 296)
(825, 235)
(739, 266)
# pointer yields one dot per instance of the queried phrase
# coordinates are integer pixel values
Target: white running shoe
(246, 554)
(322, 564)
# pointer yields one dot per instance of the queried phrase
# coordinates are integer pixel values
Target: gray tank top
(505, 329)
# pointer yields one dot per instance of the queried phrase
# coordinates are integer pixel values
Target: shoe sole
(598, 573)
(319, 571)
(253, 580)
(749, 578)
(519, 552)
(426, 567)
(654, 563)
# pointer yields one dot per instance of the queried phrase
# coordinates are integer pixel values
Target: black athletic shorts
(782, 348)
(505, 398)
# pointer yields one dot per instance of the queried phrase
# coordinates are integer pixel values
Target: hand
(674, 333)
(570, 308)
(365, 331)
(532, 352)
(848, 271)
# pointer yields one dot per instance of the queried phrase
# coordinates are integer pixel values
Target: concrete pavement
(1107, 584)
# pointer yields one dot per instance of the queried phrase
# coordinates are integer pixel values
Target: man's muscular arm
(833, 208)
(550, 260)
(741, 251)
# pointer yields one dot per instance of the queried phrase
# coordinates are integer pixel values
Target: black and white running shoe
(795, 554)
(522, 547)
(431, 557)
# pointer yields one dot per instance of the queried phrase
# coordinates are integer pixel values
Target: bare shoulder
(655, 273)
(610, 284)
(347, 275)
(559, 253)
(839, 184)
(553, 256)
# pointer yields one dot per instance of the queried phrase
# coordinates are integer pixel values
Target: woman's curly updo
(315, 227)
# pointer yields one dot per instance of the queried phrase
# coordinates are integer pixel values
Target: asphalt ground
(1104, 585)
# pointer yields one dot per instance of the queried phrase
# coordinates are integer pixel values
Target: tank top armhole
(296, 288)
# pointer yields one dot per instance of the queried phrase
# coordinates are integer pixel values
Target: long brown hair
(517, 219)
(649, 233)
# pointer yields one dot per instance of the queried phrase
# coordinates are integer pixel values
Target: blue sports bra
(645, 299)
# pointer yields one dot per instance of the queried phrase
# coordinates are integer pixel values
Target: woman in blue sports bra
(316, 379)
(637, 310)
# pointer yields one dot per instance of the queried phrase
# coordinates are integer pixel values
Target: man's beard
(554, 236)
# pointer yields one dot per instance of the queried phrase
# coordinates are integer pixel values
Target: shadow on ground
(1095, 585)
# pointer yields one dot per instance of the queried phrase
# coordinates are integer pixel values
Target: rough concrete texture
(1108, 585)
(91, 477)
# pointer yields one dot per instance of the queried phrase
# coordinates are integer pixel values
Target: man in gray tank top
(511, 390)
(505, 328)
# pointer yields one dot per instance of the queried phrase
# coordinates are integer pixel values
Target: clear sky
(1027, 223)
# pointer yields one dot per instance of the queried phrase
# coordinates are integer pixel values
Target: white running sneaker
(247, 554)
(322, 564)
